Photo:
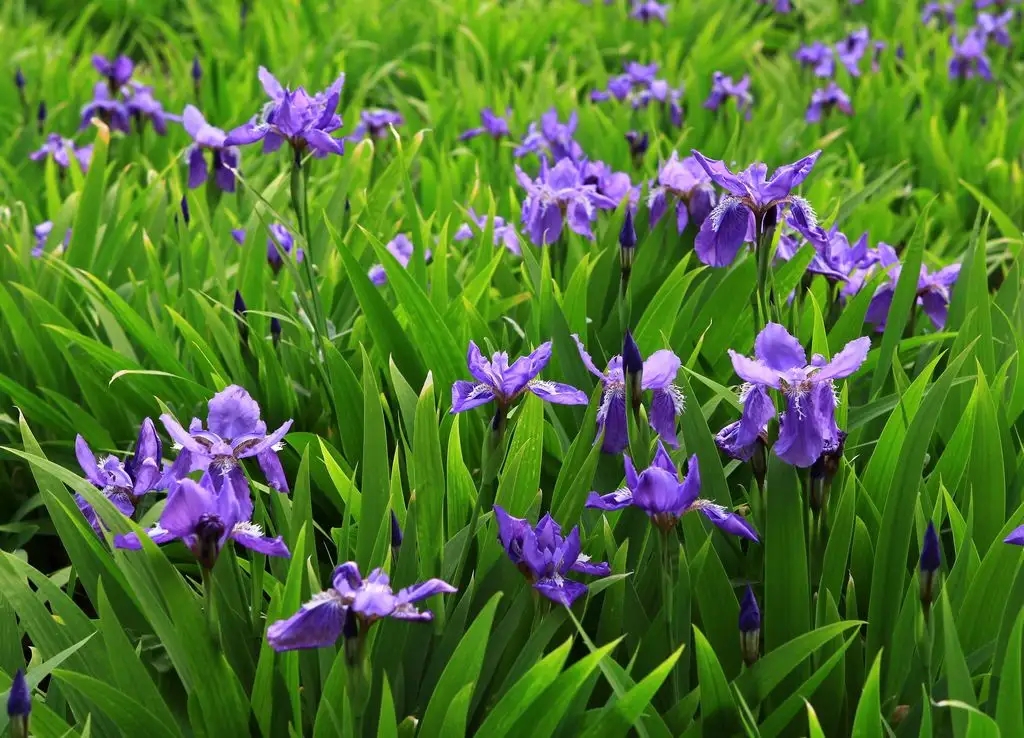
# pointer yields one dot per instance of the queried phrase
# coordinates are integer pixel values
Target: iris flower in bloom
(649, 10)
(933, 289)
(852, 49)
(835, 258)
(208, 138)
(545, 557)
(503, 383)
(504, 233)
(204, 520)
(824, 99)
(685, 182)
(750, 195)
(375, 124)
(723, 88)
(493, 125)
(818, 56)
(945, 13)
(122, 482)
(58, 148)
(116, 71)
(667, 401)
(969, 59)
(107, 108)
(559, 194)
(401, 248)
(142, 106)
(660, 493)
(302, 120)
(808, 424)
(41, 233)
(321, 620)
(279, 235)
(552, 137)
(996, 27)
(234, 432)
(615, 186)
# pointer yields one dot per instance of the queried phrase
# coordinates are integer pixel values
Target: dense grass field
(536, 367)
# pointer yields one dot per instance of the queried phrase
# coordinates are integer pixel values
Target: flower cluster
(118, 100)
(684, 183)
(723, 89)
(504, 233)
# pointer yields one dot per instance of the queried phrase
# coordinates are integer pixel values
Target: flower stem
(209, 605)
(764, 232)
(667, 587)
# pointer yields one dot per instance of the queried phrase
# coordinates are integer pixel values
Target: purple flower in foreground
(944, 12)
(996, 27)
(208, 138)
(933, 289)
(808, 424)
(122, 482)
(321, 620)
(376, 124)
(819, 56)
(723, 88)
(667, 401)
(969, 59)
(204, 519)
(824, 99)
(685, 182)
(504, 233)
(19, 703)
(559, 194)
(503, 383)
(852, 49)
(660, 493)
(302, 120)
(234, 432)
(545, 557)
(552, 137)
(279, 235)
(58, 148)
(751, 196)
(107, 108)
(117, 71)
(142, 106)
(649, 10)
(493, 125)
(401, 248)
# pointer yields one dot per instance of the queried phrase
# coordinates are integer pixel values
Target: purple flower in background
(552, 137)
(944, 12)
(238, 235)
(685, 182)
(493, 125)
(819, 56)
(279, 235)
(559, 194)
(933, 289)
(751, 196)
(41, 234)
(504, 233)
(401, 248)
(969, 59)
(660, 493)
(117, 71)
(667, 401)
(781, 6)
(824, 99)
(615, 186)
(122, 482)
(204, 520)
(649, 10)
(723, 88)
(834, 258)
(234, 432)
(996, 27)
(545, 557)
(57, 147)
(808, 425)
(208, 138)
(503, 383)
(641, 74)
(142, 106)
(319, 623)
(302, 120)
(376, 124)
(107, 108)
(852, 49)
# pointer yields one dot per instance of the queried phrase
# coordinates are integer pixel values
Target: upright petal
(720, 174)
(847, 361)
(180, 436)
(233, 413)
(789, 176)
(690, 489)
(270, 84)
(317, 625)
(186, 503)
(510, 532)
(585, 358)
(658, 491)
(775, 348)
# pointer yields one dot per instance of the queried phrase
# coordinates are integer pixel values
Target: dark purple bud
(19, 79)
(633, 365)
(770, 219)
(750, 627)
(275, 331)
(19, 705)
(823, 471)
(353, 644)
(197, 70)
(185, 212)
(208, 532)
(627, 236)
(931, 563)
(41, 116)
(243, 327)
(759, 461)
(396, 533)
(638, 145)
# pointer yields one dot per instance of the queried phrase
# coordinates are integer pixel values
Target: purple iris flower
(723, 88)
(969, 59)
(142, 106)
(375, 124)
(641, 74)
(279, 235)
(117, 71)
(781, 6)
(503, 383)
(320, 621)
(401, 248)
(1016, 537)
(834, 256)
(41, 233)
(504, 233)
(122, 482)
(933, 290)
(57, 147)
(204, 519)
(852, 49)
(944, 12)
(19, 699)
(996, 27)
(649, 10)
(234, 432)
(750, 196)
(559, 194)
(493, 125)
(107, 108)
(615, 186)
(553, 137)
(808, 425)
(208, 138)
(824, 99)
(545, 557)
(819, 56)
(685, 182)
(302, 120)
(660, 493)
(750, 627)
(667, 401)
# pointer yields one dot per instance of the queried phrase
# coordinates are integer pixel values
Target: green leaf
(867, 723)
(375, 485)
(428, 484)
(1009, 707)
(717, 707)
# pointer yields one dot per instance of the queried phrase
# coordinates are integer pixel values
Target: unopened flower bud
(633, 366)
(41, 115)
(275, 331)
(185, 212)
(627, 244)
(396, 535)
(19, 79)
(240, 309)
(638, 145)
(750, 628)
(931, 563)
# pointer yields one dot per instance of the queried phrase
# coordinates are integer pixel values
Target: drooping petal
(754, 371)
(682, 217)
(317, 625)
(720, 174)
(614, 423)
(936, 307)
(271, 467)
(800, 439)
(616, 500)
(778, 350)
(730, 522)
(660, 370)
(722, 233)
(727, 441)
(251, 536)
(197, 169)
(466, 395)
(847, 361)
(87, 461)
(323, 143)
(479, 367)
(560, 590)
(180, 436)
(558, 393)
(584, 565)
(131, 542)
(585, 358)
(665, 408)
(758, 409)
